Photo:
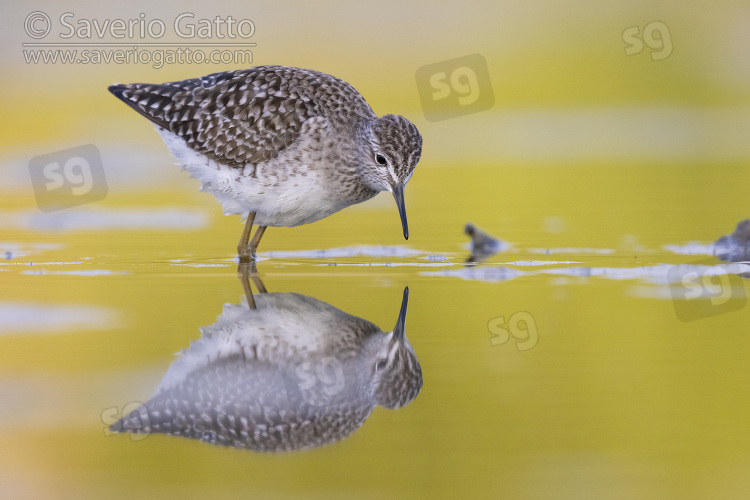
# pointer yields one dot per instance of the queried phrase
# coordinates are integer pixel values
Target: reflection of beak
(399, 331)
(398, 194)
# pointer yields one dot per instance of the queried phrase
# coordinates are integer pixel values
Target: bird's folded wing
(245, 116)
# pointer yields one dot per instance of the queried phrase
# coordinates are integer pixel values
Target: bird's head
(393, 146)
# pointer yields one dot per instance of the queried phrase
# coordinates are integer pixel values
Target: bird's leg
(258, 283)
(256, 239)
(244, 270)
(242, 247)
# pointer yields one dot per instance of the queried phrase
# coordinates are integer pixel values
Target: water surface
(575, 360)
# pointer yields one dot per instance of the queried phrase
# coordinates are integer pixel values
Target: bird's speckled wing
(244, 116)
(248, 404)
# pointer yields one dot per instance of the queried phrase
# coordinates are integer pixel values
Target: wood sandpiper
(280, 146)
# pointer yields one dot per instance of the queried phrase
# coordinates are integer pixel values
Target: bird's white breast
(289, 190)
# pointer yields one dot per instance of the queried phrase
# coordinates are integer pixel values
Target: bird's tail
(137, 421)
(160, 103)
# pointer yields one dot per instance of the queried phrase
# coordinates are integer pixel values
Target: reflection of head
(400, 382)
(394, 376)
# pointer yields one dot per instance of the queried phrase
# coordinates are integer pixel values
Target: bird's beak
(399, 331)
(398, 194)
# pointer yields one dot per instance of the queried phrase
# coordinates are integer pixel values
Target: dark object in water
(736, 246)
(482, 244)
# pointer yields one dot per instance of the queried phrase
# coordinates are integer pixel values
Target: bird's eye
(381, 364)
(380, 159)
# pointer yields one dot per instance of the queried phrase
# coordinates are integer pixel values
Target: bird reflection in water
(281, 372)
